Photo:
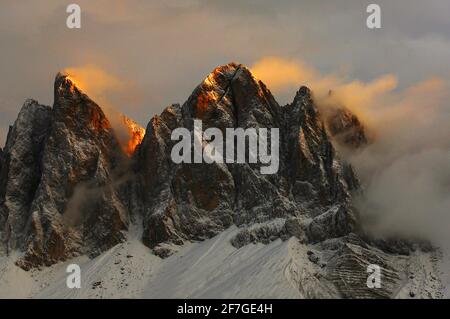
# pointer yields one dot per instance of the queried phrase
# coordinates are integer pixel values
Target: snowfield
(208, 269)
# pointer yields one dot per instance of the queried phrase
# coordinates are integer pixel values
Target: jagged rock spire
(58, 198)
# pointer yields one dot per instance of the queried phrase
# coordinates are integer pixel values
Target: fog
(405, 169)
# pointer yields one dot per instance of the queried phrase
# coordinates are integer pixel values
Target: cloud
(108, 90)
(405, 170)
(95, 82)
(281, 74)
(284, 76)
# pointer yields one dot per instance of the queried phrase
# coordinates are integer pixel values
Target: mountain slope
(209, 269)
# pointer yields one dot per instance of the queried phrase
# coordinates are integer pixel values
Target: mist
(405, 168)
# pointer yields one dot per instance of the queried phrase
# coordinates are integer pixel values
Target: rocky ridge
(196, 201)
(67, 186)
(57, 198)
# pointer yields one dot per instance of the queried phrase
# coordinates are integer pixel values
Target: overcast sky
(146, 54)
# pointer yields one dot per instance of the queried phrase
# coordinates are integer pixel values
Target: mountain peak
(76, 109)
(303, 91)
(221, 76)
(65, 85)
(232, 66)
(228, 85)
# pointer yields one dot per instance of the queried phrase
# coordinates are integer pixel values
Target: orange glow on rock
(202, 105)
(135, 135)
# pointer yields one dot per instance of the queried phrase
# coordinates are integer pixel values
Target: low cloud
(405, 171)
(96, 82)
(281, 74)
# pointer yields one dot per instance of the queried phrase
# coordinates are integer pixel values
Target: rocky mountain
(1, 158)
(196, 201)
(69, 186)
(346, 128)
(57, 196)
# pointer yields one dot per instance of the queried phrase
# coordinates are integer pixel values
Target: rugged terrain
(70, 188)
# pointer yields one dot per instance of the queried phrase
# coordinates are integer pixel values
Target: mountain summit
(193, 202)
(57, 197)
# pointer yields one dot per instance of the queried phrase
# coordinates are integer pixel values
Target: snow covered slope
(208, 269)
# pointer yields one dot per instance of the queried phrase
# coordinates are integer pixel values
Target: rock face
(310, 193)
(346, 128)
(57, 196)
(1, 159)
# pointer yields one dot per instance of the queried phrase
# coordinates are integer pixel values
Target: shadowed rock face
(346, 128)
(1, 159)
(21, 171)
(53, 157)
(196, 201)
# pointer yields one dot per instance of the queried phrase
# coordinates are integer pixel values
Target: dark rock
(57, 195)
(1, 159)
(313, 258)
(21, 172)
(162, 252)
(346, 128)
(338, 221)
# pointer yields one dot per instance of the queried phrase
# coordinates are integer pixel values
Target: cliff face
(1, 159)
(21, 171)
(57, 195)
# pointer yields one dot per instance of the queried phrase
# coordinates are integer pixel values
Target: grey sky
(163, 49)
